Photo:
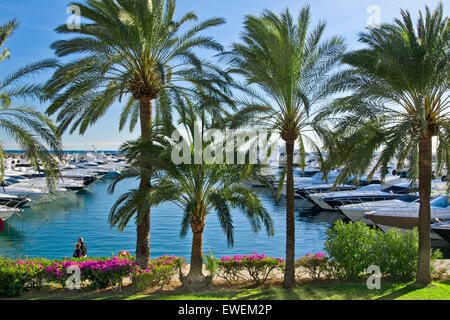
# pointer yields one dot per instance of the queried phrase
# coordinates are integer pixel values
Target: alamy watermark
(374, 19)
(374, 281)
(228, 146)
(74, 20)
(74, 281)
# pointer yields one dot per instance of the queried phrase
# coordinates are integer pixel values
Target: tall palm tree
(30, 129)
(399, 101)
(132, 49)
(289, 64)
(197, 189)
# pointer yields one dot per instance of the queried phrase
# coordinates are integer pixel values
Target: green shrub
(18, 275)
(350, 248)
(396, 254)
(12, 280)
(353, 247)
(211, 264)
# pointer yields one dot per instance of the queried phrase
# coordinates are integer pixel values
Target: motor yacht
(316, 179)
(356, 211)
(368, 193)
(407, 217)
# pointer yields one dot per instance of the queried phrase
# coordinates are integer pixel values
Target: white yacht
(316, 179)
(356, 211)
(41, 183)
(72, 172)
(35, 193)
(407, 217)
(368, 193)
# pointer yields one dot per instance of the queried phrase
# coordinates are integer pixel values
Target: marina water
(51, 229)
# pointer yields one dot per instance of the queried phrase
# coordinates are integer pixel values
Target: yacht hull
(320, 203)
(303, 203)
(356, 214)
(385, 228)
(337, 202)
(305, 192)
(443, 232)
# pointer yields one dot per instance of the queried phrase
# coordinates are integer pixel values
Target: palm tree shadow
(398, 293)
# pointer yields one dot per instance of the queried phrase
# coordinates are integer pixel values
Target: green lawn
(438, 290)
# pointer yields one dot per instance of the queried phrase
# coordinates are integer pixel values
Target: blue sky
(39, 18)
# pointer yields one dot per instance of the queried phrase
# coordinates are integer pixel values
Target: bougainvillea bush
(256, 268)
(99, 273)
(316, 265)
(18, 275)
(159, 273)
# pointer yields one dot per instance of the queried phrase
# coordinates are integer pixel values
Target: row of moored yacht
(22, 186)
(388, 203)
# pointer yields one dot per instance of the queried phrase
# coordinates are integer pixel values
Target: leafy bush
(350, 248)
(316, 265)
(353, 247)
(17, 275)
(159, 273)
(211, 264)
(255, 268)
(396, 254)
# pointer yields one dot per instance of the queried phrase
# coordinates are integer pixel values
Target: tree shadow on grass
(400, 292)
(313, 292)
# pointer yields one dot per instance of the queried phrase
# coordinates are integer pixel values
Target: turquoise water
(51, 230)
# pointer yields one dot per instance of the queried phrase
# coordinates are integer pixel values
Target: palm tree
(131, 49)
(197, 189)
(399, 101)
(291, 67)
(30, 129)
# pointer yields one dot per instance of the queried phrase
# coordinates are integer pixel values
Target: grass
(388, 291)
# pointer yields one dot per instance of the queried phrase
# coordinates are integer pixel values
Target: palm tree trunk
(195, 280)
(423, 276)
(195, 270)
(143, 229)
(289, 275)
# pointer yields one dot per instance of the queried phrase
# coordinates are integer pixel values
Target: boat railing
(15, 205)
(351, 201)
(10, 204)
